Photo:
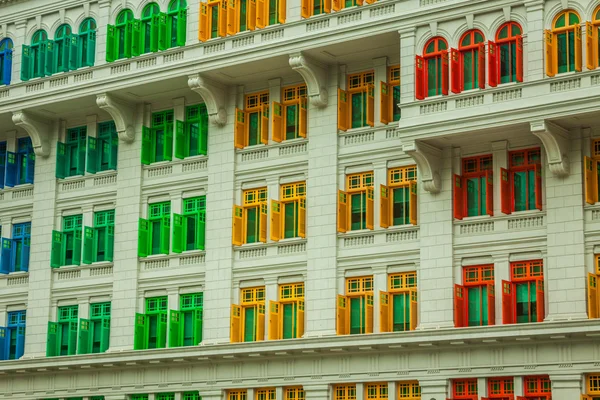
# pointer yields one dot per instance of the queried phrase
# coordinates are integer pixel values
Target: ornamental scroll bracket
(556, 143)
(213, 95)
(315, 76)
(428, 159)
(37, 129)
(122, 112)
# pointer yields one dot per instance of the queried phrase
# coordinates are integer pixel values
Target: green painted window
(165, 396)
(66, 245)
(190, 396)
(99, 327)
(191, 136)
(62, 335)
(243, 6)
(150, 27)
(62, 44)
(70, 156)
(139, 397)
(289, 323)
(189, 228)
(102, 150)
(87, 43)
(177, 22)
(98, 244)
(157, 141)
(358, 211)
(153, 233)
(185, 327)
(526, 302)
(123, 34)
(151, 327)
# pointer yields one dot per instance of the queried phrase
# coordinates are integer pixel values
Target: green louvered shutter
(90, 56)
(201, 230)
(26, 63)
(111, 50)
(109, 243)
(41, 60)
(180, 139)
(50, 62)
(168, 146)
(140, 338)
(113, 151)
(85, 343)
(72, 349)
(161, 330)
(181, 27)
(198, 316)
(128, 39)
(81, 149)
(178, 241)
(146, 146)
(154, 25)
(104, 334)
(203, 126)
(61, 161)
(92, 155)
(136, 41)
(175, 325)
(88, 244)
(74, 52)
(163, 40)
(52, 342)
(165, 227)
(56, 253)
(143, 237)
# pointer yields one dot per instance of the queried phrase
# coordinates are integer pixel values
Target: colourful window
(102, 150)
(191, 136)
(189, 228)
(355, 309)
(591, 173)
(563, 44)
(399, 199)
(120, 37)
(290, 116)
(14, 253)
(523, 296)
(506, 55)
(157, 140)
(193, 395)
(252, 123)
(501, 388)
(294, 393)
(98, 242)
(94, 335)
(592, 40)
(398, 306)
(165, 396)
(186, 324)
(86, 46)
(154, 232)
(286, 316)
(409, 390)
(62, 335)
(70, 155)
(250, 220)
(521, 187)
(376, 391)
(237, 394)
(265, 394)
(537, 388)
(213, 19)
(360, 94)
(12, 337)
(472, 61)
(289, 213)
(6, 53)
(431, 70)
(66, 245)
(474, 300)
(151, 327)
(474, 190)
(344, 392)
(390, 96)
(248, 318)
(176, 23)
(61, 48)
(355, 205)
(593, 386)
(464, 389)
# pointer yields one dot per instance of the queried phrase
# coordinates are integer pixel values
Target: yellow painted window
(253, 295)
(402, 281)
(409, 390)
(291, 291)
(252, 123)
(359, 285)
(288, 215)
(250, 220)
(344, 392)
(294, 393)
(398, 200)
(255, 196)
(265, 394)
(376, 391)
(402, 176)
(240, 394)
(286, 316)
(356, 104)
(248, 319)
(391, 101)
(256, 100)
(355, 206)
(356, 182)
(593, 384)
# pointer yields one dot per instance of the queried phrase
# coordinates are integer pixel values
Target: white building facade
(233, 212)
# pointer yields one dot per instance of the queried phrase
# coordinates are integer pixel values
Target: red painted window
(475, 299)
(523, 296)
(474, 190)
(432, 69)
(471, 73)
(505, 56)
(521, 184)
(464, 389)
(501, 388)
(537, 388)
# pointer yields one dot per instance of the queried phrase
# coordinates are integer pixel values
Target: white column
(17, 56)
(274, 95)
(499, 160)
(270, 294)
(379, 284)
(392, 391)
(360, 391)
(407, 64)
(566, 387)
(501, 273)
(317, 392)
(102, 22)
(519, 389)
(83, 307)
(533, 46)
(434, 390)
(380, 178)
(481, 387)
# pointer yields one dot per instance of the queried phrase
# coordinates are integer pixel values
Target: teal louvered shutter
(147, 146)
(175, 325)
(168, 146)
(109, 243)
(72, 349)
(85, 339)
(90, 50)
(111, 50)
(163, 39)
(89, 235)
(154, 25)
(56, 255)
(41, 59)
(104, 334)
(165, 227)
(26, 63)
(61, 161)
(92, 155)
(140, 338)
(50, 62)
(201, 230)
(81, 149)
(52, 341)
(161, 330)
(74, 61)
(198, 317)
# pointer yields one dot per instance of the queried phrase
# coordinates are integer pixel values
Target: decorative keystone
(122, 112)
(37, 129)
(315, 77)
(428, 159)
(556, 142)
(213, 95)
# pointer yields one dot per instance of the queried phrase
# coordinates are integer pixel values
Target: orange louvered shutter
(419, 78)
(384, 103)
(277, 128)
(204, 29)
(549, 52)
(342, 110)
(578, 45)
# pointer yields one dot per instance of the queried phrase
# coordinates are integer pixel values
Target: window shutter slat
(460, 315)
(455, 70)
(492, 64)
(519, 59)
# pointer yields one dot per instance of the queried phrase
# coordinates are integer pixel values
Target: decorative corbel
(428, 159)
(121, 112)
(213, 95)
(556, 143)
(315, 76)
(37, 129)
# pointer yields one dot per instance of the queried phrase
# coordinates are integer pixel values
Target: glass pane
(472, 197)
(400, 206)
(290, 218)
(520, 191)
(252, 225)
(289, 320)
(401, 312)
(242, 4)
(359, 110)
(291, 122)
(253, 125)
(357, 315)
(358, 211)
(249, 324)
(474, 306)
(531, 190)
(188, 329)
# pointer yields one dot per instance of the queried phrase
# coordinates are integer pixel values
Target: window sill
(516, 222)
(84, 272)
(176, 167)
(173, 260)
(270, 250)
(271, 145)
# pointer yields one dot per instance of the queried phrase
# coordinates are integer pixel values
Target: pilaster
(565, 387)
(434, 390)
(380, 71)
(407, 64)
(533, 50)
(499, 160)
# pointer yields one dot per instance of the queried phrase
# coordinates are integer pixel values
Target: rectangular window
(286, 316)
(240, 394)
(344, 392)
(288, 216)
(591, 174)
(525, 181)
(376, 391)
(265, 394)
(66, 245)
(290, 116)
(154, 232)
(189, 229)
(250, 220)
(139, 397)
(593, 386)
(501, 388)
(474, 301)
(98, 334)
(464, 389)
(70, 156)
(409, 390)
(62, 335)
(294, 393)
(390, 96)
(248, 318)
(191, 136)
(102, 151)
(355, 205)
(355, 309)
(98, 244)
(193, 395)
(523, 297)
(151, 327)
(157, 140)
(185, 328)
(165, 396)
(592, 290)
(252, 123)
(398, 201)
(25, 162)
(537, 387)
(358, 101)
(2, 163)
(474, 190)
(12, 337)
(14, 253)
(398, 306)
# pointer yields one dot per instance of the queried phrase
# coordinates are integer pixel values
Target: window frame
(440, 56)
(526, 167)
(468, 393)
(477, 51)
(6, 53)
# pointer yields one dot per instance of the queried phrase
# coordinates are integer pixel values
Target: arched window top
(150, 10)
(88, 25)
(597, 14)
(39, 36)
(6, 44)
(435, 45)
(471, 38)
(565, 19)
(176, 5)
(62, 31)
(124, 16)
(508, 30)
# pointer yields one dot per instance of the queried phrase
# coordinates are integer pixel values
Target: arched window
(431, 69)
(119, 37)
(6, 49)
(563, 44)
(470, 73)
(59, 61)
(505, 56)
(592, 40)
(177, 22)
(33, 64)
(87, 43)
(150, 28)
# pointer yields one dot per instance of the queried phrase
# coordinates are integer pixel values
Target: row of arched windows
(154, 31)
(68, 51)
(440, 69)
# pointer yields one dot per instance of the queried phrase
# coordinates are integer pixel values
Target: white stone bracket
(428, 159)
(315, 76)
(122, 112)
(556, 143)
(214, 96)
(38, 130)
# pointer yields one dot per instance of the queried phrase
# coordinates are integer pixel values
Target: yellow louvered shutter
(235, 328)
(274, 320)
(222, 19)
(591, 54)
(371, 105)
(590, 179)
(240, 129)
(592, 296)
(306, 9)
(277, 128)
(282, 11)
(204, 29)
(261, 10)
(275, 220)
(413, 202)
(327, 6)
(302, 218)
(341, 315)
(337, 5)
(303, 119)
(300, 319)
(369, 313)
(342, 110)
(238, 226)
(264, 124)
(413, 309)
(251, 15)
(384, 206)
(550, 51)
(370, 206)
(384, 311)
(232, 28)
(342, 217)
(260, 323)
(384, 103)
(263, 223)
(578, 49)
